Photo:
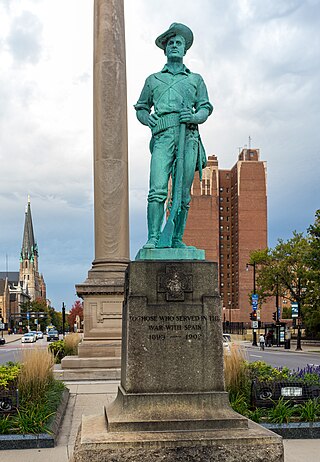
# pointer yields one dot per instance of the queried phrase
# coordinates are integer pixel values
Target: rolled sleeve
(202, 97)
(146, 99)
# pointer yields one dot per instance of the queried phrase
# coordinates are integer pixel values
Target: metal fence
(263, 394)
(9, 398)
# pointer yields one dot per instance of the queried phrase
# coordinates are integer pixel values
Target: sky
(260, 60)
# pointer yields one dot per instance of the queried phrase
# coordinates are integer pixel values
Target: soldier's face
(175, 47)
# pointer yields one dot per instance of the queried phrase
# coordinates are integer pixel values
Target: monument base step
(80, 374)
(76, 362)
(151, 412)
(253, 444)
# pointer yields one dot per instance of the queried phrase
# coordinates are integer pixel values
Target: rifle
(165, 239)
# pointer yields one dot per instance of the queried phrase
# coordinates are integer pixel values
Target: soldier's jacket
(169, 93)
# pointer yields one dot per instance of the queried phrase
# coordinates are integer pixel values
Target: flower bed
(39, 398)
(286, 396)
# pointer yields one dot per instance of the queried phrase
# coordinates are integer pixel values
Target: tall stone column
(110, 142)
(103, 290)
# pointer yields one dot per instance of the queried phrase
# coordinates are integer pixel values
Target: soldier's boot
(180, 224)
(155, 214)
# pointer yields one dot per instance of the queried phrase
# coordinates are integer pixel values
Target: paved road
(280, 358)
(12, 351)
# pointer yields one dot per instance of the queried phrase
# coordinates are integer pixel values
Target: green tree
(38, 313)
(56, 318)
(284, 271)
(312, 308)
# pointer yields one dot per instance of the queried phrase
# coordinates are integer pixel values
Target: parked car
(226, 342)
(52, 335)
(35, 333)
(29, 337)
(2, 340)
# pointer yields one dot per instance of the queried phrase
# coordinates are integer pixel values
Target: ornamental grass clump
(36, 373)
(235, 371)
(71, 343)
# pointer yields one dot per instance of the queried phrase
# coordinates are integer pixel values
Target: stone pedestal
(171, 404)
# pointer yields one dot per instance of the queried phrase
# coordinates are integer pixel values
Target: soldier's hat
(175, 29)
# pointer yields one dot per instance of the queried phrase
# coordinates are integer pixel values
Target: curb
(295, 430)
(40, 440)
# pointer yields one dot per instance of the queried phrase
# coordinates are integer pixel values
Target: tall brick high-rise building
(228, 218)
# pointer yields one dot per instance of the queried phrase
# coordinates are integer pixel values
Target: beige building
(4, 300)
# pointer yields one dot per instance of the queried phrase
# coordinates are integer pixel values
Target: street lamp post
(277, 312)
(299, 348)
(254, 333)
(63, 318)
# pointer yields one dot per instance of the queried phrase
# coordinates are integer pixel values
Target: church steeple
(29, 275)
(29, 248)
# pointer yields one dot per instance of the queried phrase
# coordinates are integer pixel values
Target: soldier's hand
(152, 121)
(186, 116)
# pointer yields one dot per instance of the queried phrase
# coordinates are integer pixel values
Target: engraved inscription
(173, 328)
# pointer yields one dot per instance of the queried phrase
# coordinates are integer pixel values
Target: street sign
(254, 298)
(2, 326)
(255, 324)
(294, 310)
(28, 315)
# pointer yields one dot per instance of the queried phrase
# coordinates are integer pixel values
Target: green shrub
(5, 425)
(259, 370)
(309, 411)
(31, 418)
(58, 350)
(34, 416)
(66, 347)
(257, 414)
(239, 403)
(8, 373)
(281, 412)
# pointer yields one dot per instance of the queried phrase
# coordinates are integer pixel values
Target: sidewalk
(306, 348)
(88, 398)
(11, 338)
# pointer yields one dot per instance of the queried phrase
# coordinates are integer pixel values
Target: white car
(226, 342)
(35, 333)
(28, 338)
(39, 334)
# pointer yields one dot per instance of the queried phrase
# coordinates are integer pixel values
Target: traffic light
(274, 315)
(253, 316)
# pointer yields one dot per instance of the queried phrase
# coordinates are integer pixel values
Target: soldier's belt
(166, 121)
